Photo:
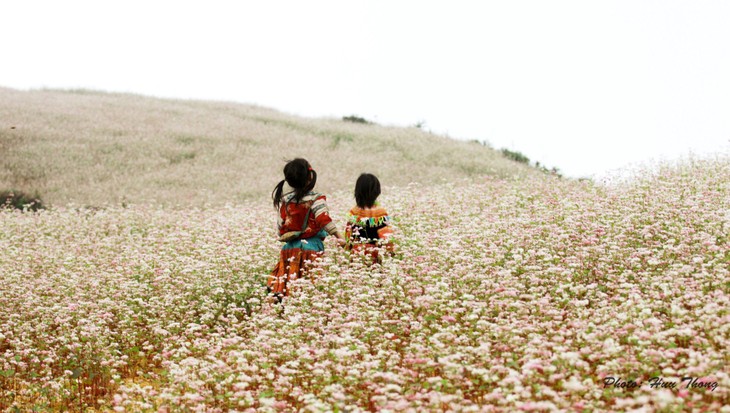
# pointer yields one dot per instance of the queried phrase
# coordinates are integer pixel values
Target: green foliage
(521, 158)
(20, 200)
(515, 156)
(356, 119)
(552, 171)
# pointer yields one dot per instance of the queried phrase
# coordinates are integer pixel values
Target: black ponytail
(276, 193)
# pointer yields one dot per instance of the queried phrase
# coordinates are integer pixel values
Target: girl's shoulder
(376, 215)
(375, 211)
(314, 196)
(308, 197)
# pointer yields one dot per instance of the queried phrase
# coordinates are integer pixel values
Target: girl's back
(303, 223)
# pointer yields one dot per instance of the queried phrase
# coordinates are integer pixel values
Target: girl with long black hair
(368, 228)
(303, 222)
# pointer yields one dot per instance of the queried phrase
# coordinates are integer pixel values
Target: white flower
(573, 384)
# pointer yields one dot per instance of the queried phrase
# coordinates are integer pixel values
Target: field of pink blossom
(503, 295)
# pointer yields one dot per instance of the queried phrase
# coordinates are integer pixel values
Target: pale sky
(586, 86)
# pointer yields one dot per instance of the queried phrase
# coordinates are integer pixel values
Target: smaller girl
(303, 222)
(368, 225)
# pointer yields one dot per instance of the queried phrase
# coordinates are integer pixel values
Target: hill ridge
(91, 147)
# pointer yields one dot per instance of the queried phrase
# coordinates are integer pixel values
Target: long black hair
(367, 190)
(300, 176)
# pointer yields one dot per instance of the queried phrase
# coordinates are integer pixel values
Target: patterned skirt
(296, 260)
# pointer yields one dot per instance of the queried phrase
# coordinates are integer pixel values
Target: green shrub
(356, 119)
(515, 156)
(20, 200)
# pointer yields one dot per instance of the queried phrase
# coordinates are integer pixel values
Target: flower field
(503, 295)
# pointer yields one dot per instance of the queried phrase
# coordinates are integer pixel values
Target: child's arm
(323, 219)
(341, 241)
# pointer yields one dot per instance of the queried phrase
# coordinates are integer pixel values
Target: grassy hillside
(93, 148)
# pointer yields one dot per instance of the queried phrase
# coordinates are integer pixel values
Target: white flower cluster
(501, 295)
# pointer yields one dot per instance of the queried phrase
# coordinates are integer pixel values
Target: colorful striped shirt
(292, 213)
(367, 225)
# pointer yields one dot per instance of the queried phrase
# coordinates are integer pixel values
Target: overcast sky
(586, 86)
